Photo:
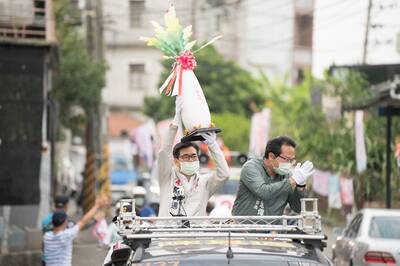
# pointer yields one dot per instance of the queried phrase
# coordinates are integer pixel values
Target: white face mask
(190, 168)
(283, 169)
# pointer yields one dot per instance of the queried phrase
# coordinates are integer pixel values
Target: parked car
(371, 238)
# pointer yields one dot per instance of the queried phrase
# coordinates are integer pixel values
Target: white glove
(210, 138)
(302, 172)
(178, 110)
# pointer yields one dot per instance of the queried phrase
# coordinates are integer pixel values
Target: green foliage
(235, 130)
(330, 145)
(80, 78)
(227, 87)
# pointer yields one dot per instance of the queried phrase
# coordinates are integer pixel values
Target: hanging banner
(260, 125)
(334, 199)
(361, 154)
(346, 191)
(320, 182)
(144, 137)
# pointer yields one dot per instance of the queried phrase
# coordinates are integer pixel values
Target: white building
(275, 36)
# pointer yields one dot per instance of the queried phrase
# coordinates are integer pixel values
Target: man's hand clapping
(302, 172)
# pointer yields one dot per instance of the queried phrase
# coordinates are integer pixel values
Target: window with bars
(136, 10)
(137, 77)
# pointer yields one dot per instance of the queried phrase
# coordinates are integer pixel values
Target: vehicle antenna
(229, 253)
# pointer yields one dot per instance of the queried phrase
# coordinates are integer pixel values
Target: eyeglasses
(289, 160)
(189, 157)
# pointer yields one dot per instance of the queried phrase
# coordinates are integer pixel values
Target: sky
(339, 30)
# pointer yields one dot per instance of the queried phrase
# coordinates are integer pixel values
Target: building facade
(273, 36)
(27, 59)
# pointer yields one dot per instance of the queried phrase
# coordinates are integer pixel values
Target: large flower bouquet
(174, 41)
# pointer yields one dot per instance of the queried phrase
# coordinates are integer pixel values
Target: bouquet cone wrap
(173, 41)
(195, 111)
(187, 89)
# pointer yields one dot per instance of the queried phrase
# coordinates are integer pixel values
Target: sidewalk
(86, 252)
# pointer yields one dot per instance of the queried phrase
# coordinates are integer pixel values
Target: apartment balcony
(27, 21)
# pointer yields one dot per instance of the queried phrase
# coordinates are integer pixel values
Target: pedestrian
(183, 190)
(58, 241)
(60, 204)
(141, 208)
(268, 184)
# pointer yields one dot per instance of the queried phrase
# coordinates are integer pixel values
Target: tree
(80, 79)
(235, 130)
(330, 144)
(227, 87)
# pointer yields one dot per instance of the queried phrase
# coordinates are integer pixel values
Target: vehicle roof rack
(306, 225)
(138, 232)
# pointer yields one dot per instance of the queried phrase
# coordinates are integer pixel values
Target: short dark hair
(274, 145)
(182, 145)
(58, 218)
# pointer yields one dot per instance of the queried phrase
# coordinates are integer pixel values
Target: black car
(213, 252)
(235, 240)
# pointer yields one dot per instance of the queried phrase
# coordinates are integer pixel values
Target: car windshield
(385, 227)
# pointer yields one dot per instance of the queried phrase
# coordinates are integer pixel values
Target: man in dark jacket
(268, 184)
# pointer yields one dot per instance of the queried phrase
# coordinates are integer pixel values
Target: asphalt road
(88, 255)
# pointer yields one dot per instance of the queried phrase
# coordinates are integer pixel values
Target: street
(87, 251)
(88, 254)
(251, 110)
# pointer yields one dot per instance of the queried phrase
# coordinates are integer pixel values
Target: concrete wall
(269, 36)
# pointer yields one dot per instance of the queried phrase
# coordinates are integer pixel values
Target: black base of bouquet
(195, 134)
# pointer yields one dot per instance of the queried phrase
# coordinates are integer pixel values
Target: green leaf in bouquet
(187, 33)
(167, 48)
(190, 45)
(174, 40)
(208, 43)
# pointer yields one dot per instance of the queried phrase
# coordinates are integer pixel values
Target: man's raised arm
(222, 169)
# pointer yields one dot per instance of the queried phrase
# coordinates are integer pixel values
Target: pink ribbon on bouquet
(185, 61)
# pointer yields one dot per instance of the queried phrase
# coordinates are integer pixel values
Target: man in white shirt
(183, 190)
(58, 242)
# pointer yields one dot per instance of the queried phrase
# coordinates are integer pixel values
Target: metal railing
(27, 20)
(306, 225)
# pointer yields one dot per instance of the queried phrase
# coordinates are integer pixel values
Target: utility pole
(194, 17)
(367, 26)
(94, 45)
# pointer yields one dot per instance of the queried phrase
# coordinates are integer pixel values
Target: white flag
(361, 154)
(260, 124)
